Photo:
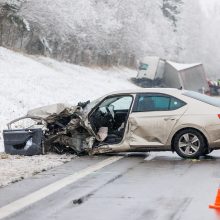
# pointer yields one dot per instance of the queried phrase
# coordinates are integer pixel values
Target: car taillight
(219, 116)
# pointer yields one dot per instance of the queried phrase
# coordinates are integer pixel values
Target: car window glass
(161, 103)
(157, 103)
(116, 103)
(108, 101)
(143, 66)
(176, 103)
(153, 103)
(123, 103)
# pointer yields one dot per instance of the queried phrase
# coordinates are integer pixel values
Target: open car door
(108, 121)
(27, 141)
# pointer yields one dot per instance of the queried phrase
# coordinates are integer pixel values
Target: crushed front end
(56, 128)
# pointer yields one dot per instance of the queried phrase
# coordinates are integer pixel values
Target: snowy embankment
(16, 168)
(29, 81)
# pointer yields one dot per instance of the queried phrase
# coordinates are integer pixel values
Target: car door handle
(169, 119)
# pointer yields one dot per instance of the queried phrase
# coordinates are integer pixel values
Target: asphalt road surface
(132, 186)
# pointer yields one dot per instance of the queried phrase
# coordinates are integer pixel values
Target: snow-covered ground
(16, 168)
(29, 81)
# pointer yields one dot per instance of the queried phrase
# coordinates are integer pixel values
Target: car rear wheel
(189, 143)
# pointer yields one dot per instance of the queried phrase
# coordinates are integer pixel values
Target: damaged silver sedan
(143, 120)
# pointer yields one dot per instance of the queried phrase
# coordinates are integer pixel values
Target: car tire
(189, 144)
(207, 151)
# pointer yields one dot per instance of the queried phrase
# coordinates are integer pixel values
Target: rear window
(203, 98)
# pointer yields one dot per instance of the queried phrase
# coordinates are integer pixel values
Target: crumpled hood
(49, 113)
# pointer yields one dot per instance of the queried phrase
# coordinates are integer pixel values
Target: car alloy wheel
(189, 144)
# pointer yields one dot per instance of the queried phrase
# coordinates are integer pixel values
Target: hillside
(31, 81)
(113, 32)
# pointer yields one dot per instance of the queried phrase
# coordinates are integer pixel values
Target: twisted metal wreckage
(60, 128)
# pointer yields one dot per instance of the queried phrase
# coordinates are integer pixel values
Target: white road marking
(25, 201)
(150, 157)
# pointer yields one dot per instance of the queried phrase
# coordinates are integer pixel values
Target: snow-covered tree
(106, 32)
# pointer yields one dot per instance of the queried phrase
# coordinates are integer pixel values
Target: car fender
(184, 126)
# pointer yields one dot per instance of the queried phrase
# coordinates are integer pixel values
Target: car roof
(170, 91)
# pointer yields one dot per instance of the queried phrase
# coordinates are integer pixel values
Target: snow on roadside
(16, 168)
(29, 81)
